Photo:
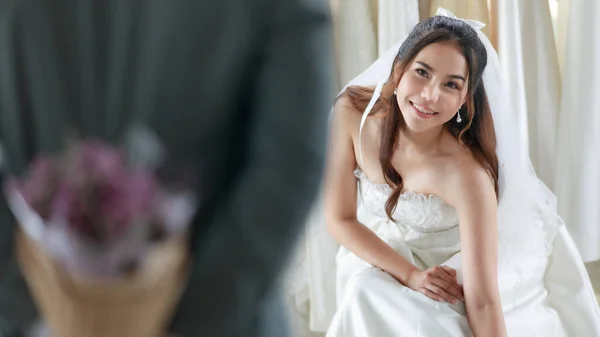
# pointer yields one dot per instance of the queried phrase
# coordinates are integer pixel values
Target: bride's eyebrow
(428, 67)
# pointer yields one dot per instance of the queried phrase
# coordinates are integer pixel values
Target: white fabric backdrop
(356, 42)
(529, 60)
(395, 20)
(577, 182)
(365, 28)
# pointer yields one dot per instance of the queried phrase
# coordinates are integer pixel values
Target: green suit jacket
(238, 89)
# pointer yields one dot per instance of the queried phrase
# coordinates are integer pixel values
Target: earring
(458, 119)
(395, 91)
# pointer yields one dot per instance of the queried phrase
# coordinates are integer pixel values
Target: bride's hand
(439, 283)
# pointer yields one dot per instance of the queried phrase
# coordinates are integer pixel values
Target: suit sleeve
(17, 309)
(255, 229)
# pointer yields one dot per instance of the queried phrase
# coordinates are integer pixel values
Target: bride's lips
(421, 114)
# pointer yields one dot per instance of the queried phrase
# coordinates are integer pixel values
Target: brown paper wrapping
(141, 305)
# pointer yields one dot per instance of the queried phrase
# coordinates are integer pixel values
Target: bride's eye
(422, 73)
(452, 85)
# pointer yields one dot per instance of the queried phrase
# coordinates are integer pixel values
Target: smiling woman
(435, 246)
(435, 85)
(431, 132)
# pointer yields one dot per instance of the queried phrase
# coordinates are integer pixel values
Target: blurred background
(550, 54)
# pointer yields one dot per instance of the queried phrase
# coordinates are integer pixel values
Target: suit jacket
(237, 89)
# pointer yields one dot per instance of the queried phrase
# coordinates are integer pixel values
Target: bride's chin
(416, 129)
(416, 125)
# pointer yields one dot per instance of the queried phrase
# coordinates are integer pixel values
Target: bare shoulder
(468, 182)
(345, 115)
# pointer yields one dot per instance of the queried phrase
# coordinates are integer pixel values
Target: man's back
(238, 90)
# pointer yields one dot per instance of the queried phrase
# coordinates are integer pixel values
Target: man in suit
(237, 89)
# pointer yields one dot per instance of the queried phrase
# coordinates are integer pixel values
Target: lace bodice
(416, 212)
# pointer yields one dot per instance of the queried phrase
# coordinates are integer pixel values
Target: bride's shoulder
(461, 170)
(466, 176)
(348, 111)
(345, 113)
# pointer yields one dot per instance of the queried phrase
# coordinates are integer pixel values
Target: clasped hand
(438, 283)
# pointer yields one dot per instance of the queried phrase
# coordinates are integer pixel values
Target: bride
(452, 233)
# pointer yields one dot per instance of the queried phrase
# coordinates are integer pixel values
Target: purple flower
(93, 161)
(125, 199)
(95, 194)
(63, 202)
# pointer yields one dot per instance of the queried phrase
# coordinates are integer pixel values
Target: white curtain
(366, 28)
(395, 21)
(355, 38)
(578, 160)
(529, 60)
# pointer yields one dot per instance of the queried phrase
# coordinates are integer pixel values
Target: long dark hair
(475, 133)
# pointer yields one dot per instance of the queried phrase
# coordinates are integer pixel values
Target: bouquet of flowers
(101, 234)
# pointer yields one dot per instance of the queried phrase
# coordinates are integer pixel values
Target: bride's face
(433, 86)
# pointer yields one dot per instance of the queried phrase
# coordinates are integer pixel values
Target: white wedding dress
(373, 303)
(426, 233)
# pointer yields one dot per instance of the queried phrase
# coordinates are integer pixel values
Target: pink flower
(100, 159)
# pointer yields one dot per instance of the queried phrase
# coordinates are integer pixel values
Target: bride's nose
(430, 93)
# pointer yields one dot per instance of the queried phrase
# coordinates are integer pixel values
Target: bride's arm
(475, 200)
(340, 197)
